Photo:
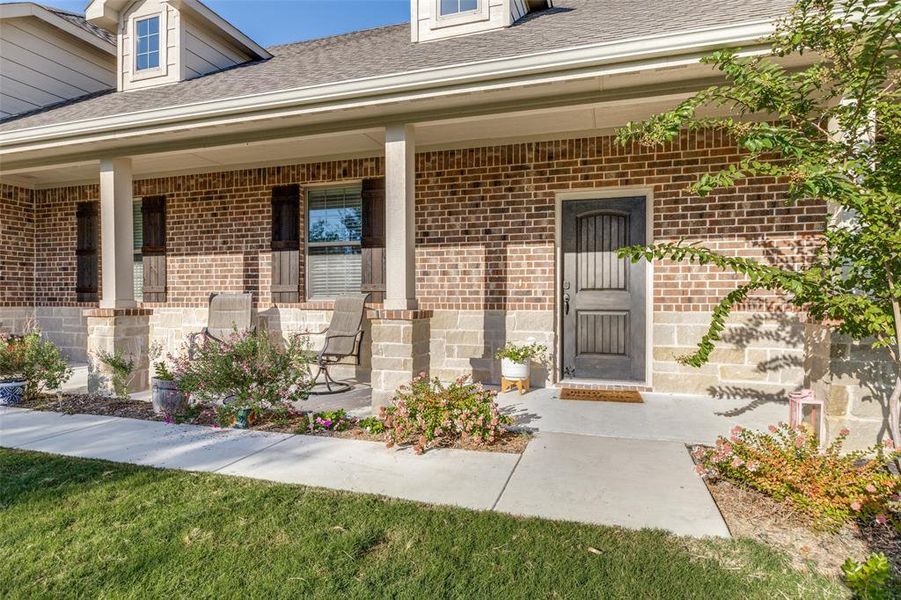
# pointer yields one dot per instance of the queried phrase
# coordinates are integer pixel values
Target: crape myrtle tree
(831, 131)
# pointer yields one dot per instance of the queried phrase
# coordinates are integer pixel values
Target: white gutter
(424, 79)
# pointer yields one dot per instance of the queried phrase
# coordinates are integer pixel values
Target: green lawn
(82, 528)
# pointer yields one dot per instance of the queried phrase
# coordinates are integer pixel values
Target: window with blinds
(334, 233)
(138, 230)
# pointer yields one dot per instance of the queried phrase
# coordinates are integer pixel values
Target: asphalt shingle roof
(388, 50)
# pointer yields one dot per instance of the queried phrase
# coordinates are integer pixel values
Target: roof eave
(606, 55)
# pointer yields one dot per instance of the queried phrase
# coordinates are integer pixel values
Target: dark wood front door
(603, 296)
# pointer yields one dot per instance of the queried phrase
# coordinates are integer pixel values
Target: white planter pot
(514, 370)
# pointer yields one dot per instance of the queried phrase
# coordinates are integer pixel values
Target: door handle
(565, 304)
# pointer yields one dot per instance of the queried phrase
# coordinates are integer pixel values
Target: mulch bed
(751, 514)
(87, 404)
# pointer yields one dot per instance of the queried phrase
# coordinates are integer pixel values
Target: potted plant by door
(29, 365)
(516, 363)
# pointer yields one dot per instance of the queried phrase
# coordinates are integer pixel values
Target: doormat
(630, 396)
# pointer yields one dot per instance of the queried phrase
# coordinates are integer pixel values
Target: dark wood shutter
(86, 261)
(153, 252)
(373, 239)
(286, 243)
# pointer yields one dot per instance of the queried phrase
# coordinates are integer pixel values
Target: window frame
(439, 20)
(307, 222)
(475, 10)
(137, 38)
(162, 70)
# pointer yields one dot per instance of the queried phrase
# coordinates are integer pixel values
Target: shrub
(522, 353)
(372, 425)
(121, 370)
(787, 464)
(869, 580)
(36, 360)
(248, 370)
(161, 368)
(333, 420)
(427, 414)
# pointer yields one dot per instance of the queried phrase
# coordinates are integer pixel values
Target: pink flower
(871, 488)
(844, 431)
(881, 519)
(737, 429)
(889, 444)
(799, 441)
(737, 462)
(752, 465)
(856, 505)
(772, 429)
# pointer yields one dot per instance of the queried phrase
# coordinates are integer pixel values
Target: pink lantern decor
(806, 410)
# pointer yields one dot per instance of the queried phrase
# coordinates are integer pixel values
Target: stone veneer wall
(170, 327)
(856, 382)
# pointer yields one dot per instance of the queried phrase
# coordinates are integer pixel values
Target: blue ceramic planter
(243, 418)
(11, 392)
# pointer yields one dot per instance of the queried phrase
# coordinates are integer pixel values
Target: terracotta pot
(11, 392)
(515, 371)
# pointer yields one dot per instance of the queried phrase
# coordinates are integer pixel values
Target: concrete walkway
(590, 479)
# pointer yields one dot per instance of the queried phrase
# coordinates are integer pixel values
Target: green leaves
(830, 131)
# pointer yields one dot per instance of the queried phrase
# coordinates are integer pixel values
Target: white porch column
(117, 234)
(400, 217)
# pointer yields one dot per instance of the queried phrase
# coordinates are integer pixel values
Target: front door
(603, 295)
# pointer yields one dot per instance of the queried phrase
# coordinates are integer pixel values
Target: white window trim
(481, 13)
(163, 69)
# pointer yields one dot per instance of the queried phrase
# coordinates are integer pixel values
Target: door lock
(565, 304)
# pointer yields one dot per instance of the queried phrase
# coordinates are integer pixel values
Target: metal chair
(227, 313)
(343, 339)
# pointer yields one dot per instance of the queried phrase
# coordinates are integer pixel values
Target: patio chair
(343, 339)
(227, 313)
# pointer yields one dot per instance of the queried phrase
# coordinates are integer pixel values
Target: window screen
(334, 231)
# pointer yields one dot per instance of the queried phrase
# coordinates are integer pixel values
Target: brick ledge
(398, 315)
(117, 312)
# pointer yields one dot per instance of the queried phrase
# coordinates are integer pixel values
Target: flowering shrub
(427, 413)
(787, 464)
(333, 420)
(248, 370)
(33, 359)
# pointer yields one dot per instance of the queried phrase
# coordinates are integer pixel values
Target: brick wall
(55, 244)
(17, 246)
(485, 222)
(485, 219)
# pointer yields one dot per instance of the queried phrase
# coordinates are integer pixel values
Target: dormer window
(455, 7)
(147, 44)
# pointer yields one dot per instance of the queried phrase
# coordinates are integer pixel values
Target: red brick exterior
(485, 222)
(485, 219)
(17, 227)
(55, 244)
